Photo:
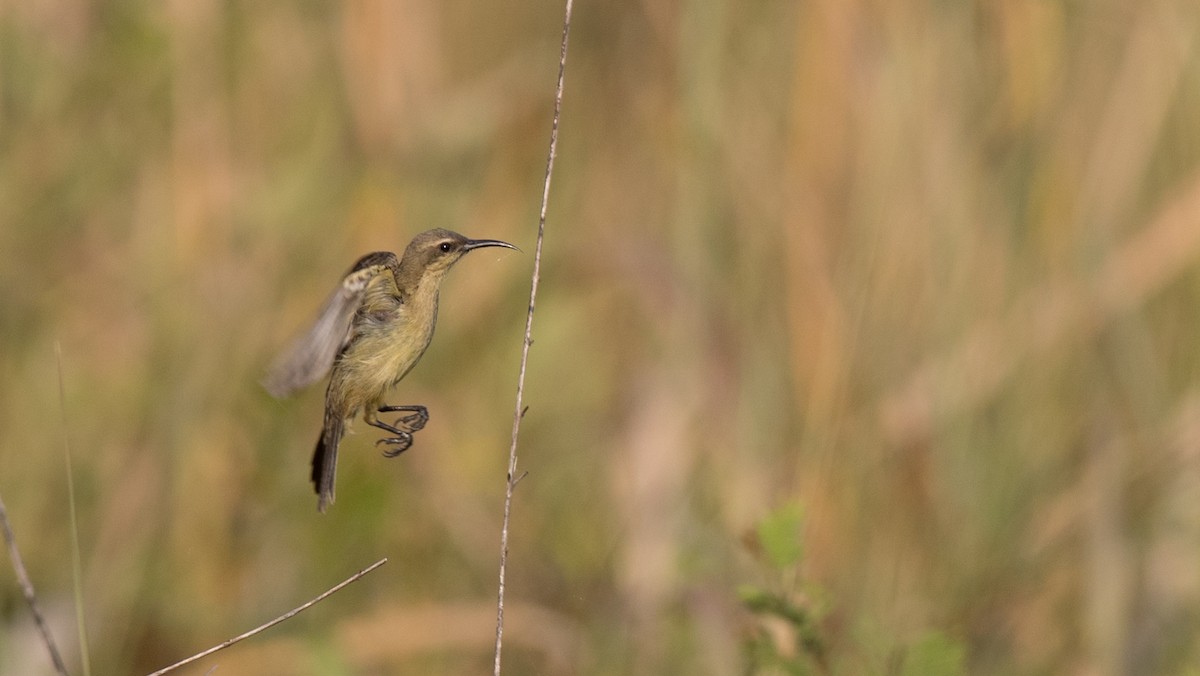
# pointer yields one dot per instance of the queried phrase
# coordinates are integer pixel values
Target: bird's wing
(309, 357)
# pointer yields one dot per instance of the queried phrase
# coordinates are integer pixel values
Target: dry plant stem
(519, 410)
(27, 589)
(76, 560)
(286, 616)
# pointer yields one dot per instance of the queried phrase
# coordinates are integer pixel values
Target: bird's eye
(444, 247)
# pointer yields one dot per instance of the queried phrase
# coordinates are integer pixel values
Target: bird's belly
(379, 359)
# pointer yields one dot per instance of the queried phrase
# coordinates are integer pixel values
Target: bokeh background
(925, 276)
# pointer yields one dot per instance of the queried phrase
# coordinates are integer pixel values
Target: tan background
(930, 270)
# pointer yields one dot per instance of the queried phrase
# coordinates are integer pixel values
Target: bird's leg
(413, 422)
(403, 428)
(397, 444)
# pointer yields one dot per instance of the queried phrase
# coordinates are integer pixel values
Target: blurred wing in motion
(309, 357)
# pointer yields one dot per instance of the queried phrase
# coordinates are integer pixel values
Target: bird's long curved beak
(481, 243)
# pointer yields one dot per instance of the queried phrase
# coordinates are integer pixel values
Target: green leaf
(935, 655)
(754, 598)
(779, 534)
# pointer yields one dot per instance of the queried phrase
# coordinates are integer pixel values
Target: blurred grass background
(928, 270)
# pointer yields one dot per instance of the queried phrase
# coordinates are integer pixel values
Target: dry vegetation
(928, 270)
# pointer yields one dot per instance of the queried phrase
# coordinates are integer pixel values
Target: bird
(368, 335)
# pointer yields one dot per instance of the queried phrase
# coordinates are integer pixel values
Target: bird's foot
(412, 422)
(396, 445)
(403, 428)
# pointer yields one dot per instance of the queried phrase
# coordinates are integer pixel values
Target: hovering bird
(369, 334)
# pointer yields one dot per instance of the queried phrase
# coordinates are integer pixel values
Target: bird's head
(434, 251)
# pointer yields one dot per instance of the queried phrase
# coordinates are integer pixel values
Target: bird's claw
(410, 423)
(397, 444)
(403, 428)
(413, 421)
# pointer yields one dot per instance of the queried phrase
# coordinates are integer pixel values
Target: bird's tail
(324, 461)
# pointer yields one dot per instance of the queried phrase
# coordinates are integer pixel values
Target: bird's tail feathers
(324, 462)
